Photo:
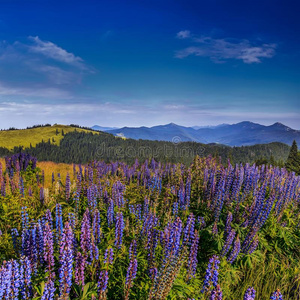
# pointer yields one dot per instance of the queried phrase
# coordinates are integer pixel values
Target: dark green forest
(78, 147)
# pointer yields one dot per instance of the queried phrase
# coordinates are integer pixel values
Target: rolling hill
(32, 136)
(240, 134)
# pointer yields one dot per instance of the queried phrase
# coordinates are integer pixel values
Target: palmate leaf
(86, 292)
(39, 291)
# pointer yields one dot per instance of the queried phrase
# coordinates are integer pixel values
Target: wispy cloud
(183, 34)
(222, 50)
(37, 68)
(51, 50)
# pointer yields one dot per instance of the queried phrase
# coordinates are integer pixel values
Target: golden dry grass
(49, 167)
(26, 137)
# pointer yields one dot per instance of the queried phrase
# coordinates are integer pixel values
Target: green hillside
(26, 137)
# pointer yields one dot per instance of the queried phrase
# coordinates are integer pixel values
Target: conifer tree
(293, 160)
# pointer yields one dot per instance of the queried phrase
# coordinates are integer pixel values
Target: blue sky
(134, 63)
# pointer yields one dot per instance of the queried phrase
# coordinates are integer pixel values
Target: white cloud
(183, 34)
(221, 50)
(37, 68)
(55, 52)
(40, 92)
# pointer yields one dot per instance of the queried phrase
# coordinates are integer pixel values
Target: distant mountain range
(240, 134)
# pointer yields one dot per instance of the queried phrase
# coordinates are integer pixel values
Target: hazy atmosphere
(135, 63)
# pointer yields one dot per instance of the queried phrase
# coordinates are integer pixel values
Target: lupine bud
(119, 230)
(211, 276)
(250, 294)
(276, 295)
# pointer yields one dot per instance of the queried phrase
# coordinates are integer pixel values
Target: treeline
(28, 127)
(80, 147)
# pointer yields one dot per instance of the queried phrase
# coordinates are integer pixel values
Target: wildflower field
(148, 231)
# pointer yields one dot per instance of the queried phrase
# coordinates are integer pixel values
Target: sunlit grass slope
(50, 167)
(24, 137)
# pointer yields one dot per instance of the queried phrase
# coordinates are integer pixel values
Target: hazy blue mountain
(240, 134)
(101, 128)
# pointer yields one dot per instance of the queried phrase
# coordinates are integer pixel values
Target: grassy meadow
(32, 136)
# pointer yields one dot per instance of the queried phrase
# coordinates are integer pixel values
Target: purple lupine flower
(96, 226)
(7, 280)
(15, 239)
(201, 222)
(215, 229)
(181, 196)
(118, 190)
(145, 207)
(103, 281)
(42, 195)
(132, 250)
(228, 242)
(49, 291)
(15, 280)
(58, 222)
(216, 293)
(211, 276)
(192, 261)
(80, 262)
(53, 178)
(25, 273)
(250, 294)
(92, 193)
(131, 271)
(40, 241)
(188, 191)
(110, 213)
(228, 223)
(29, 246)
(235, 250)
(276, 295)
(173, 245)
(48, 218)
(29, 191)
(188, 232)
(72, 220)
(6, 273)
(175, 208)
(66, 262)
(48, 249)
(119, 230)
(25, 218)
(152, 241)
(253, 245)
(109, 256)
(153, 273)
(68, 187)
(94, 251)
(85, 238)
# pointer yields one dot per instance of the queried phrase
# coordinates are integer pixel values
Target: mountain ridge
(244, 133)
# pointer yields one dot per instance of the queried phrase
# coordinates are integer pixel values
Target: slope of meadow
(26, 137)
